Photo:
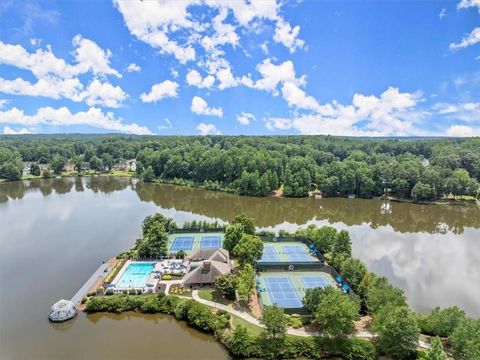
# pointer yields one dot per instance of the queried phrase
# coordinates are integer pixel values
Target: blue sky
(373, 68)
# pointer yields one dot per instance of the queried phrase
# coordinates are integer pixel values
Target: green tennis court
(287, 289)
(189, 242)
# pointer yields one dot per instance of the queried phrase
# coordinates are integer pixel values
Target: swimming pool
(135, 275)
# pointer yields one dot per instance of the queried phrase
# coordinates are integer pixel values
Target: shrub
(240, 343)
(109, 292)
(441, 322)
(166, 277)
(84, 300)
(200, 316)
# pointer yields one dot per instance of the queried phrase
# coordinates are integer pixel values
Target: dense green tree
(96, 163)
(273, 318)
(240, 342)
(397, 331)
(246, 222)
(155, 229)
(245, 282)
(226, 285)
(441, 322)
(422, 192)
(436, 351)
(323, 238)
(352, 270)
(336, 313)
(464, 339)
(11, 171)
(148, 175)
(233, 234)
(380, 293)
(35, 170)
(248, 250)
(58, 163)
(342, 243)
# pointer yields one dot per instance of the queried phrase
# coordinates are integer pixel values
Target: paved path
(84, 289)
(169, 283)
(297, 332)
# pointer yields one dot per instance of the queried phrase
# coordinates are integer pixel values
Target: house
(205, 273)
(132, 165)
(206, 265)
(122, 165)
(85, 166)
(69, 167)
(27, 166)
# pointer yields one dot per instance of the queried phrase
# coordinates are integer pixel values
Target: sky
(266, 67)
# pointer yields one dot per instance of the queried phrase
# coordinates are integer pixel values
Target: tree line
(419, 169)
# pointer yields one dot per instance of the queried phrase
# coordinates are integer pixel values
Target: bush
(84, 300)
(441, 322)
(200, 316)
(109, 292)
(166, 277)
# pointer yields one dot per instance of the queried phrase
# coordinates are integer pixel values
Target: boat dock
(80, 294)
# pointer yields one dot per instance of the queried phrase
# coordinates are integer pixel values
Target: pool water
(135, 276)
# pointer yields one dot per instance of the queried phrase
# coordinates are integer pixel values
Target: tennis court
(184, 243)
(286, 252)
(191, 241)
(287, 289)
(296, 253)
(310, 282)
(269, 254)
(210, 242)
(282, 292)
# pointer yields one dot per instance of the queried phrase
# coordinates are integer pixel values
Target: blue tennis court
(184, 243)
(310, 282)
(269, 254)
(282, 292)
(210, 242)
(296, 253)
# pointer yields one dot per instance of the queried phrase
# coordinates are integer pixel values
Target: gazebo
(62, 310)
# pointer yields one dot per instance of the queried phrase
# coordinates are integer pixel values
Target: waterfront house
(205, 273)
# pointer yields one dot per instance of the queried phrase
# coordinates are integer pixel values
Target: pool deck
(80, 294)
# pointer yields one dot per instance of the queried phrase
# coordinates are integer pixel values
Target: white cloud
(104, 94)
(167, 125)
(442, 13)
(133, 68)
(297, 97)
(208, 129)
(469, 3)
(264, 47)
(462, 131)
(174, 73)
(393, 113)
(273, 74)
(35, 41)
(288, 36)
(468, 112)
(91, 57)
(195, 79)
(63, 117)
(470, 39)
(9, 131)
(3, 102)
(245, 118)
(200, 107)
(165, 89)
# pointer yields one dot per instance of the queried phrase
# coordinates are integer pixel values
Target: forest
(421, 169)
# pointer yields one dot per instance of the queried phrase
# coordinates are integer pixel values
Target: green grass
(212, 295)
(252, 329)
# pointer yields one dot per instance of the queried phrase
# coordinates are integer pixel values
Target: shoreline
(278, 193)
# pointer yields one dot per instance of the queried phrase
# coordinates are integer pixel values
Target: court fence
(196, 230)
(301, 239)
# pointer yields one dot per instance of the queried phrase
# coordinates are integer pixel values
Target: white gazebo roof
(62, 310)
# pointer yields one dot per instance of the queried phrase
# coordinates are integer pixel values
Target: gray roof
(220, 255)
(205, 274)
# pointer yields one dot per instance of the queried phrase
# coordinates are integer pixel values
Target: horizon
(381, 70)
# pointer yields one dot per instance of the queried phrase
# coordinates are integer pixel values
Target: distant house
(85, 166)
(44, 167)
(206, 265)
(126, 165)
(69, 167)
(27, 166)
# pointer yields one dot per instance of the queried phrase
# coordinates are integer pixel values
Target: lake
(54, 233)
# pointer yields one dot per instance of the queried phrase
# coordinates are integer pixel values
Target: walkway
(84, 289)
(297, 332)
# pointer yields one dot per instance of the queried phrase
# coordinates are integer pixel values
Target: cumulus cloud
(9, 131)
(103, 94)
(288, 36)
(468, 112)
(470, 39)
(133, 68)
(245, 118)
(462, 131)
(200, 107)
(91, 57)
(272, 75)
(165, 89)
(62, 116)
(297, 97)
(208, 129)
(392, 113)
(469, 3)
(194, 78)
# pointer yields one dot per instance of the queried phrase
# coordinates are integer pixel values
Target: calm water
(54, 233)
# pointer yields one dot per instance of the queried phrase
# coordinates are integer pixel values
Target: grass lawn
(212, 295)
(252, 329)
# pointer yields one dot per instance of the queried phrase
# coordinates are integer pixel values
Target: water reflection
(402, 217)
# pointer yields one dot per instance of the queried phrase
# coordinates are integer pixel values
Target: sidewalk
(297, 332)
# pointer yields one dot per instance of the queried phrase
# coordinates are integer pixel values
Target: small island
(273, 296)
